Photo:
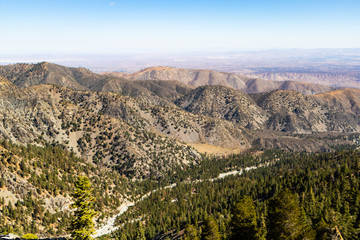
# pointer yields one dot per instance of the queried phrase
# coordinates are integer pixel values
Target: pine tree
(2, 183)
(191, 233)
(286, 219)
(210, 230)
(140, 234)
(82, 227)
(243, 223)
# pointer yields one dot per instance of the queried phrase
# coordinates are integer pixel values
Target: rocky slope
(281, 110)
(100, 127)
(134, 135)
(36, 184)
(24, 75)
(143, 125)
(125, 131)
(156, 89)
(294, 112)
(347, 99)
(224, 103)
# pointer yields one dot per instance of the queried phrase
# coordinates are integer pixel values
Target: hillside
(346, 99)
(101, 127)
(196, 77)
(281, 110)
(25, 75)
(160, 111)
(155, 90)
(224, 103)
(326, 77)
(323, 185)
(131, 134)
(294, 112)
(36, 184)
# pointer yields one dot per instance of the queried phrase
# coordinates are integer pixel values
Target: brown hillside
(197, 77)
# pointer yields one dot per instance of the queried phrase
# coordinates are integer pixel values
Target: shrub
(30, 236)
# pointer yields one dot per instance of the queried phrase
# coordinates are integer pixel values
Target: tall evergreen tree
(140, 233)
(243, 224)
(286, 219)
(191, 233)
(2, 182)
(210, 230)
(82, 227)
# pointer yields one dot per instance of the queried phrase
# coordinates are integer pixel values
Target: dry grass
(215, 150)
(340, 92)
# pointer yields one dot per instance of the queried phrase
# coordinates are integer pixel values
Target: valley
(146, 136)
(109, 225)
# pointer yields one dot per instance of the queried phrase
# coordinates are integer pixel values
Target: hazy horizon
(271, 60)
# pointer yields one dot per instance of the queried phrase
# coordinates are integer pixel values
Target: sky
(116, 26)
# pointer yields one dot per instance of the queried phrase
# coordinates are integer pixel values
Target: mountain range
(130, 132)
(160, 117)
(197, 77)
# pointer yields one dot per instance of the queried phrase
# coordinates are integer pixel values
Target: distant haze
(265, 61)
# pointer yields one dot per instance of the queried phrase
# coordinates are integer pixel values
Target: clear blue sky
(101, 26)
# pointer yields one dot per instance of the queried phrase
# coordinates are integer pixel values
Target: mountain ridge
(199, 77)
(24, 75)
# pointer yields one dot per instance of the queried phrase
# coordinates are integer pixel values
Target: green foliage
(210, 230)
(2, 183)
(243, 224)
(286, 218)
(50, 171)
(140, 233)
(191, 233)
(29, 236)
(326, 186)
(82, 227)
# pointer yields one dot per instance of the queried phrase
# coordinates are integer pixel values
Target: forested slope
(37, 182)
(326, 186)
